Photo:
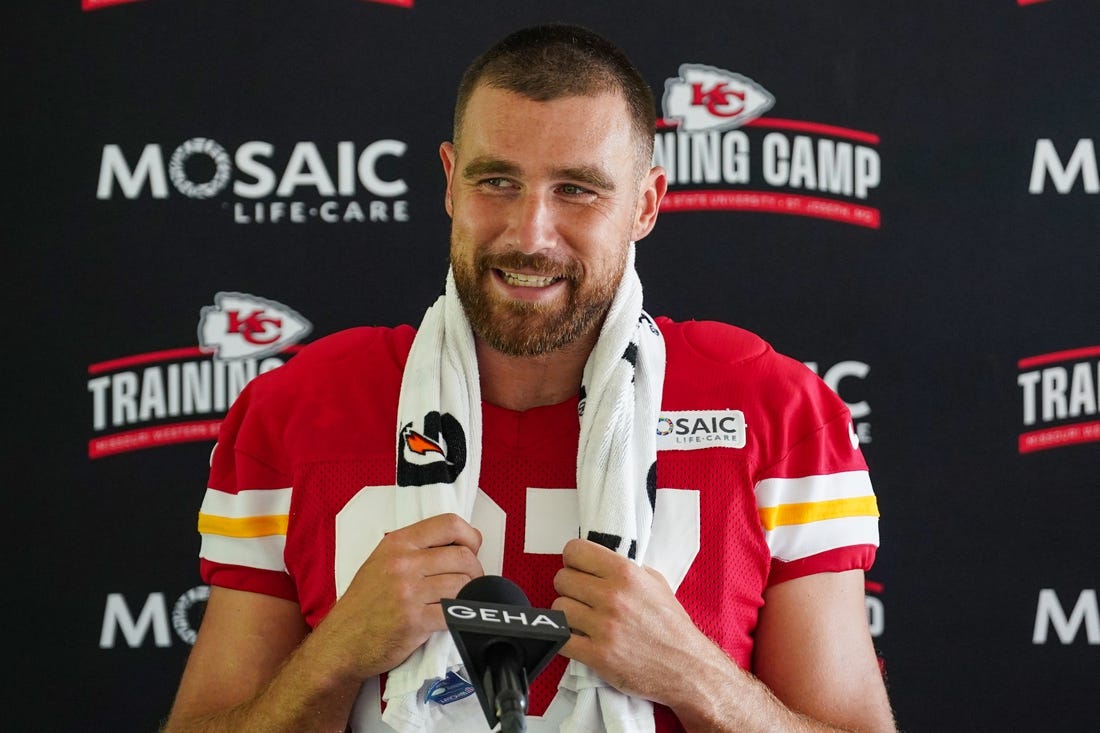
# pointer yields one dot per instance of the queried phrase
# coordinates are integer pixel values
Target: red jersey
(759, 474)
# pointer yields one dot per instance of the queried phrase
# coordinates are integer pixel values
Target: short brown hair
(552, 61)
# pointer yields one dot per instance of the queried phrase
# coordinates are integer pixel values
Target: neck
(524, 382)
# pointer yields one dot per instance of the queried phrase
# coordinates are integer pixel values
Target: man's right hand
(255, 666)
(392, 605)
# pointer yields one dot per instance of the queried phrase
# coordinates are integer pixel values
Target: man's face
(545, 198)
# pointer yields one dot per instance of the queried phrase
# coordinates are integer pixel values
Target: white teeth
(526, 281)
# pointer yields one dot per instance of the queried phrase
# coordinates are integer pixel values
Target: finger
(438, 587)
(578, 647)
(592, 558)
(441, 530)
(432, 618)
(577, 615)
(578, 585)
(450, 559)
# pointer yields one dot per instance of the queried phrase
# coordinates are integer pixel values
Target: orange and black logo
(434, 455)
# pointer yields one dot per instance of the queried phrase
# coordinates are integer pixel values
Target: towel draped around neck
(439, 430)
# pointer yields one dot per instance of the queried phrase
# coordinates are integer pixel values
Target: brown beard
(522, 328)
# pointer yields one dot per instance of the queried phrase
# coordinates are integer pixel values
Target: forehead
(566, 130)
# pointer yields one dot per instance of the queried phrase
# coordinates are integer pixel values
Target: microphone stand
(510, 688)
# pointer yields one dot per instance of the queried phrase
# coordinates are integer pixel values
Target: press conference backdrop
(901, 195)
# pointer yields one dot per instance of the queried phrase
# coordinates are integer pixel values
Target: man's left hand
(626, 622)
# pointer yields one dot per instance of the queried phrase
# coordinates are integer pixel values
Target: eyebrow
(485, 166)
(588, 174)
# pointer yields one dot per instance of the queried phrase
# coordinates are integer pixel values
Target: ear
(650, 196)
(447, 155)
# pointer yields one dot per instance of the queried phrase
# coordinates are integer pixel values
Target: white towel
(616, 485)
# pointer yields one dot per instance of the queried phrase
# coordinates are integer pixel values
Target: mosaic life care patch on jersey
(449, 689)
(697, 429)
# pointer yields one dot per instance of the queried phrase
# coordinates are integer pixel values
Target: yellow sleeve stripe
(262, 526)
(816, 511)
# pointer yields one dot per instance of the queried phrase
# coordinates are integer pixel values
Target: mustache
(539, 264)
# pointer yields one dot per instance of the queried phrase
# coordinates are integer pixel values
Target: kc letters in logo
(708, 98)
(240, 325)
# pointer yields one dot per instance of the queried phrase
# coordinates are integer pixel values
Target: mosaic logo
(119, 619)
(268, 185)
(697, 429)
(1080, 166)
(1050, 615)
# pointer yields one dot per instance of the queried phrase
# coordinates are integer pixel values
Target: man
(733, 538)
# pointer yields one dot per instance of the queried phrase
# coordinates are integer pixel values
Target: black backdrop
(961, 327)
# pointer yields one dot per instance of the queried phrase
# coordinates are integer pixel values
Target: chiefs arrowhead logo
(240, 325)
(708, 98)
(434, 455)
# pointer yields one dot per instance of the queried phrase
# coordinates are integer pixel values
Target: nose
(533, 225)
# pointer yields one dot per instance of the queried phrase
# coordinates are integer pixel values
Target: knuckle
(617, 602)
(397, 565)
(463, 558)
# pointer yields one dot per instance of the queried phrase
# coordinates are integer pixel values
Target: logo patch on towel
(435, 454)
(698, 429)
(449, 689)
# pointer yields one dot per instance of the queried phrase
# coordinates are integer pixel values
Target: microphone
(504, 643)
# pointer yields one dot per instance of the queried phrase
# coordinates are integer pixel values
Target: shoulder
(717, 351)
(319, 397)
(342, 356)
(332, 365)
(364, 343)
(711, 340)
(714, 365)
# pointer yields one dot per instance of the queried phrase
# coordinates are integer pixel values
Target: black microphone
(504, 643)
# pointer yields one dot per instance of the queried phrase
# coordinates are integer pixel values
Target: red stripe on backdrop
(1059, 437)
(816, 128)
(1057, 356)
(771, 202)
(779, 123)
(128, 361)
(96, 4)
(152, 437)
(185, 352)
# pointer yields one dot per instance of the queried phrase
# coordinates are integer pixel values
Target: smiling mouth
(527, 281)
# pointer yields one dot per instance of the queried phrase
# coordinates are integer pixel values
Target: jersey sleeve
(816, 503)
(244, 514)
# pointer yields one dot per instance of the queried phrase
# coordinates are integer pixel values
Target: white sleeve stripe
(844, 485)
(264, 553)
(794, 542)
(250, 503)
